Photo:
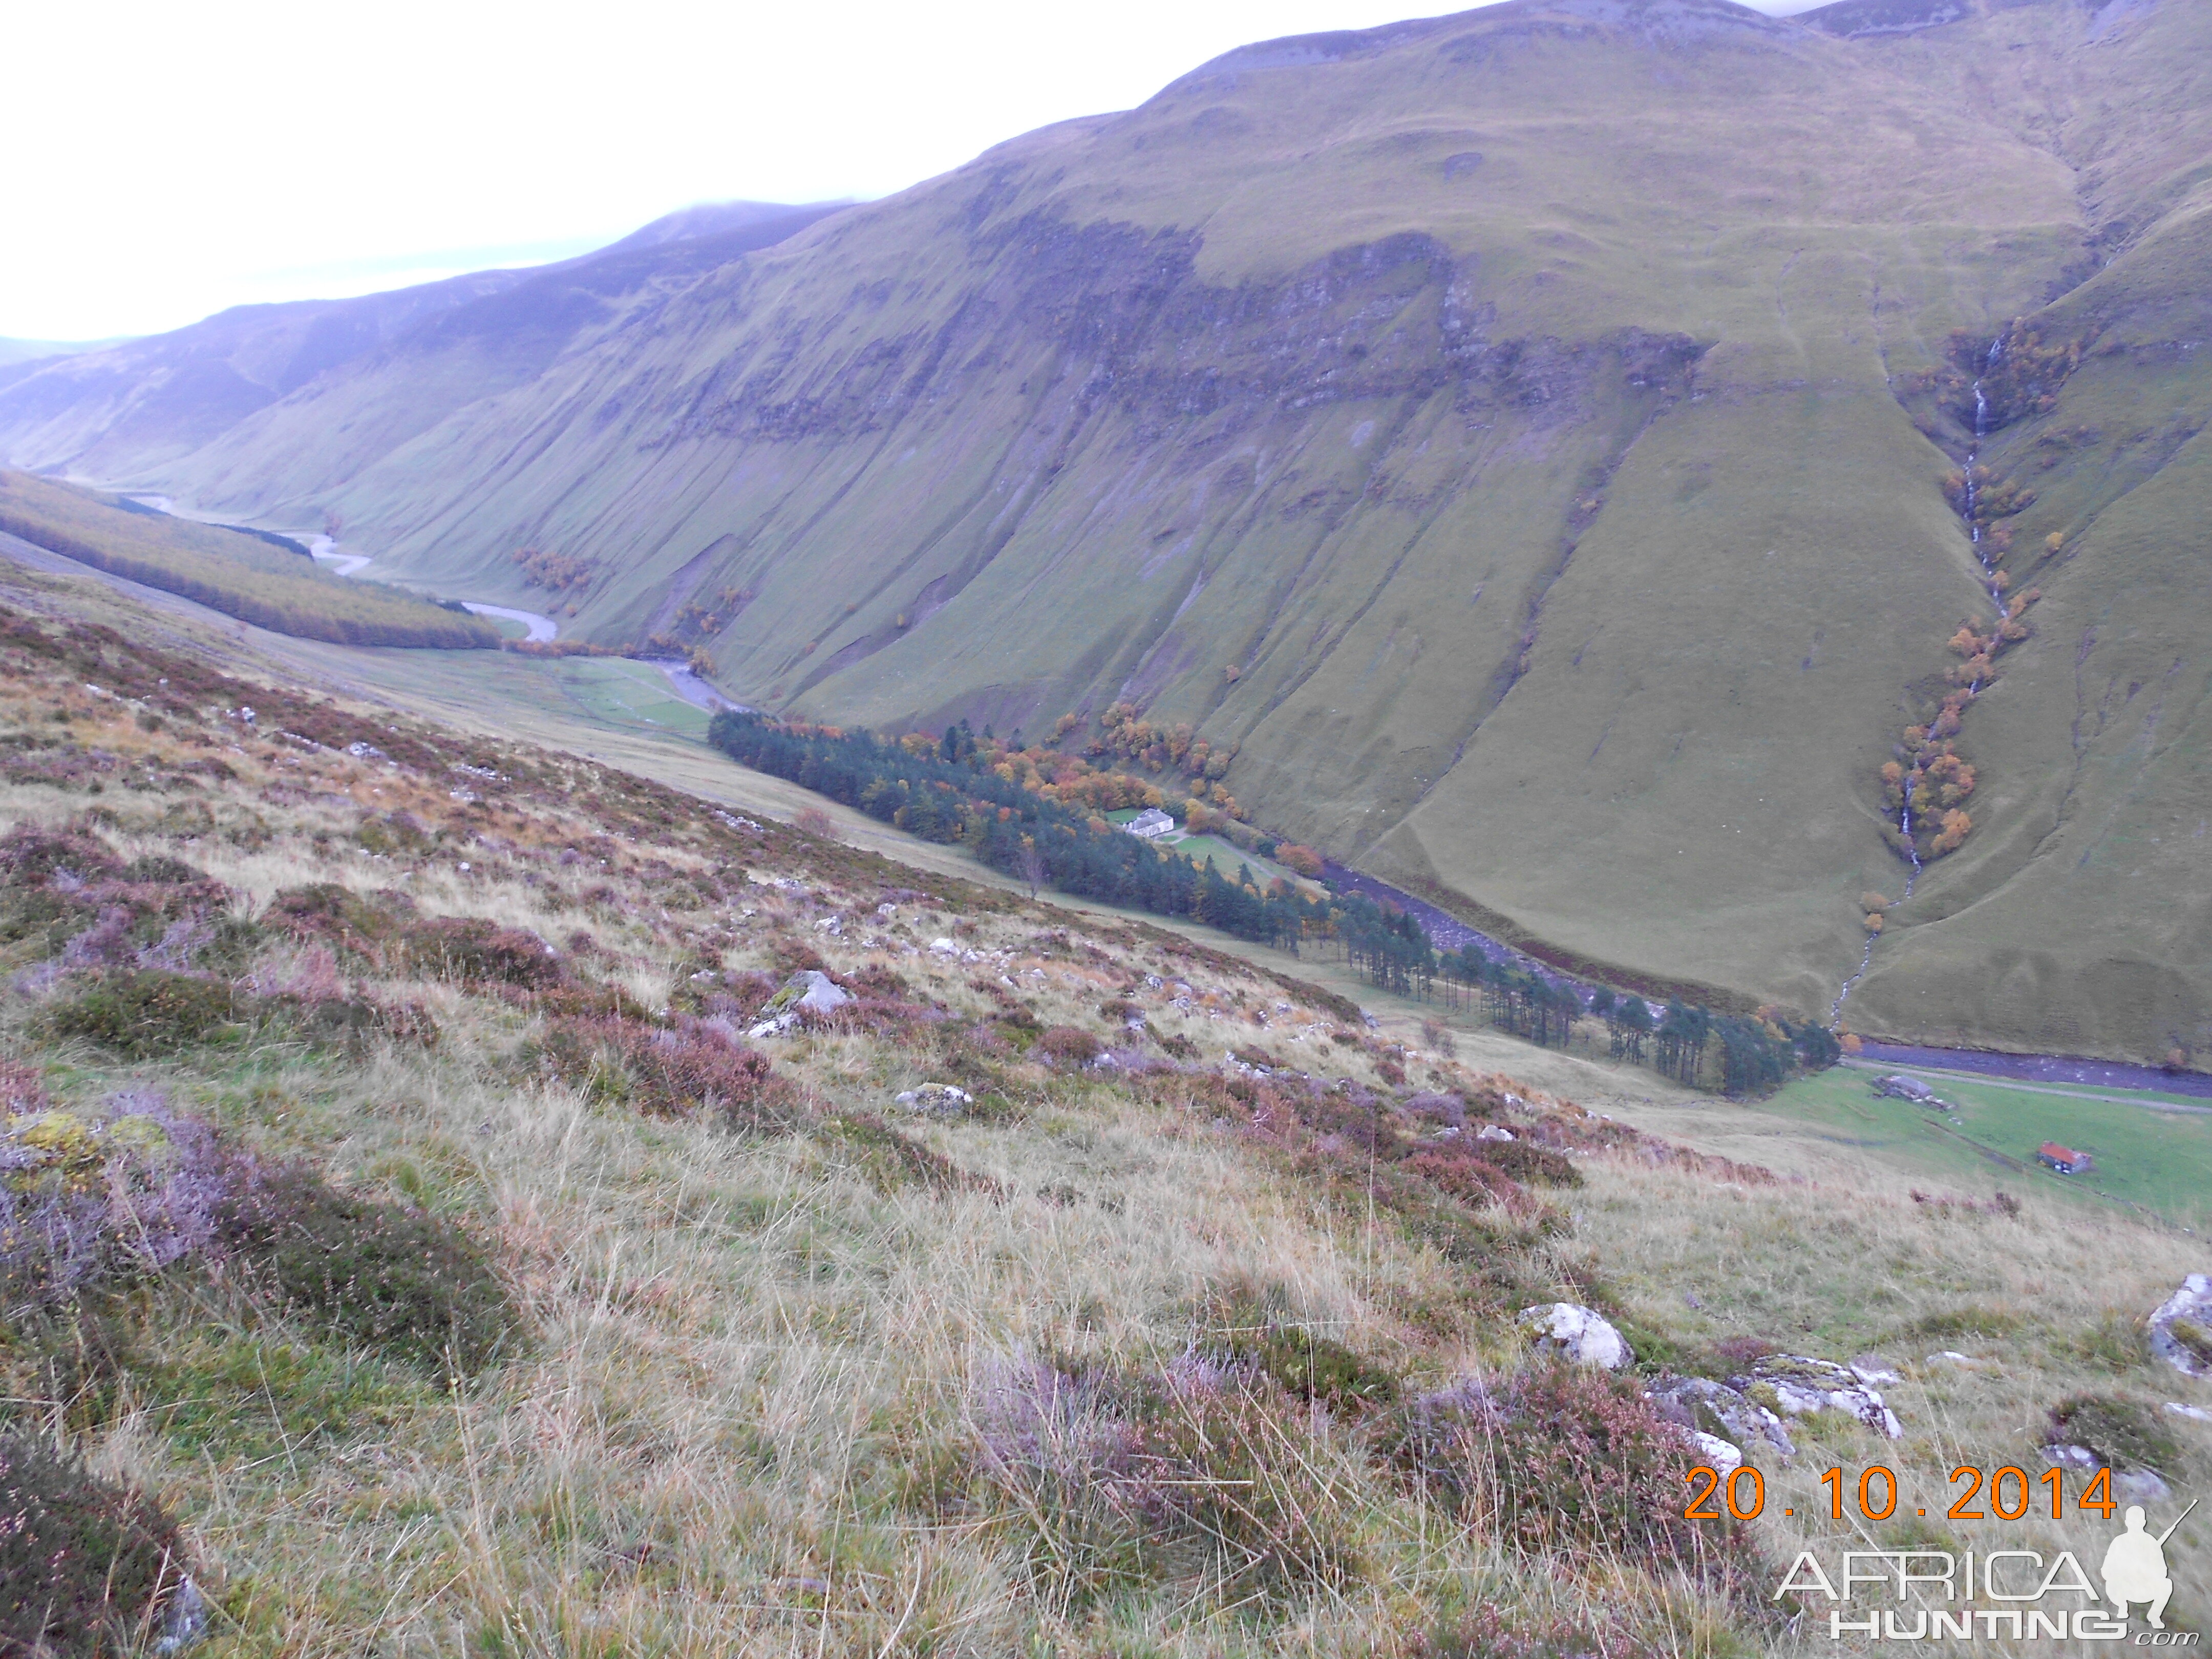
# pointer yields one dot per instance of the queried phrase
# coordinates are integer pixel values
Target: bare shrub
(815, 822)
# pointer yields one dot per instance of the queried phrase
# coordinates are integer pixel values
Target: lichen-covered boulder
(1719, 1411)
(2181, 1329)
(808, 991)
(1577, 1334)
(936, 1099)
(1796, 1386)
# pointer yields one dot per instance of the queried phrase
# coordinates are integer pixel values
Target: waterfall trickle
(1971, 502)
(1911, 880)
(1974, 462)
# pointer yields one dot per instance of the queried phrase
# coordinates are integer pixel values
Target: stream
(323, 549)
(1973, 493)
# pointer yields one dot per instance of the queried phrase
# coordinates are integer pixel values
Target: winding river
(541, 629)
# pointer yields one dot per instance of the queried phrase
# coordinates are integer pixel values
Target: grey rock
(2194, 1413)
(1493, 1132)
(936, 1100)
(2080, 1459)
(2189, 1309)
(808, 991)
(1704, 1407)
(1719, 1453)
(1800, 1387)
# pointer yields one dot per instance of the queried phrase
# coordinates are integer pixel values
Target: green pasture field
(2153, 1151)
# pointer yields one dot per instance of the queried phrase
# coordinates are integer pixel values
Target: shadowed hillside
(1563, 452)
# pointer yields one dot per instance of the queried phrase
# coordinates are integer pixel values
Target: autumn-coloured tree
(1304, 859)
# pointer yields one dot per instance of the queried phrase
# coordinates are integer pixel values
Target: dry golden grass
(747, 1390)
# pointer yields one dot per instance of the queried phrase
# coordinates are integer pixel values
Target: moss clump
(150, 1012)
(1246, 1324)
(86, 1566)
(1315, 1367)
(407, 1283)
(2124, 1433)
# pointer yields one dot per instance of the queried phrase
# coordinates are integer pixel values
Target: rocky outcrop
(1796, 1386)
(936, 1100)
(1718, 1414)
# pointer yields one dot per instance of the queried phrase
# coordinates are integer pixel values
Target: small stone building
(2064, 1159)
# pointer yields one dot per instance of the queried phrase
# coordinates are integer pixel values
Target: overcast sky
(165, 161)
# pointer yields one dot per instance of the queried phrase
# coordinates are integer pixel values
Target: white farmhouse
(1150, 825)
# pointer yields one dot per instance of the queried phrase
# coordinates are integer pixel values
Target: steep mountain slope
(144, 404)
(1525, 439)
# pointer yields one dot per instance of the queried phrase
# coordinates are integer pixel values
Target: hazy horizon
(280, 156)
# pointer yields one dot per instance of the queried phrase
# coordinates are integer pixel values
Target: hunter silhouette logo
(2135, 1566)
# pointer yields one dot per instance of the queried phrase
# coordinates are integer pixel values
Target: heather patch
(367, 1271)
(693, 1067)
(1565, 1460)
(86, 1567)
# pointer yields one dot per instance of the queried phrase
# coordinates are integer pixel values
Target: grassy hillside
(1531, 444)
(234, 573)
(485, 1288)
